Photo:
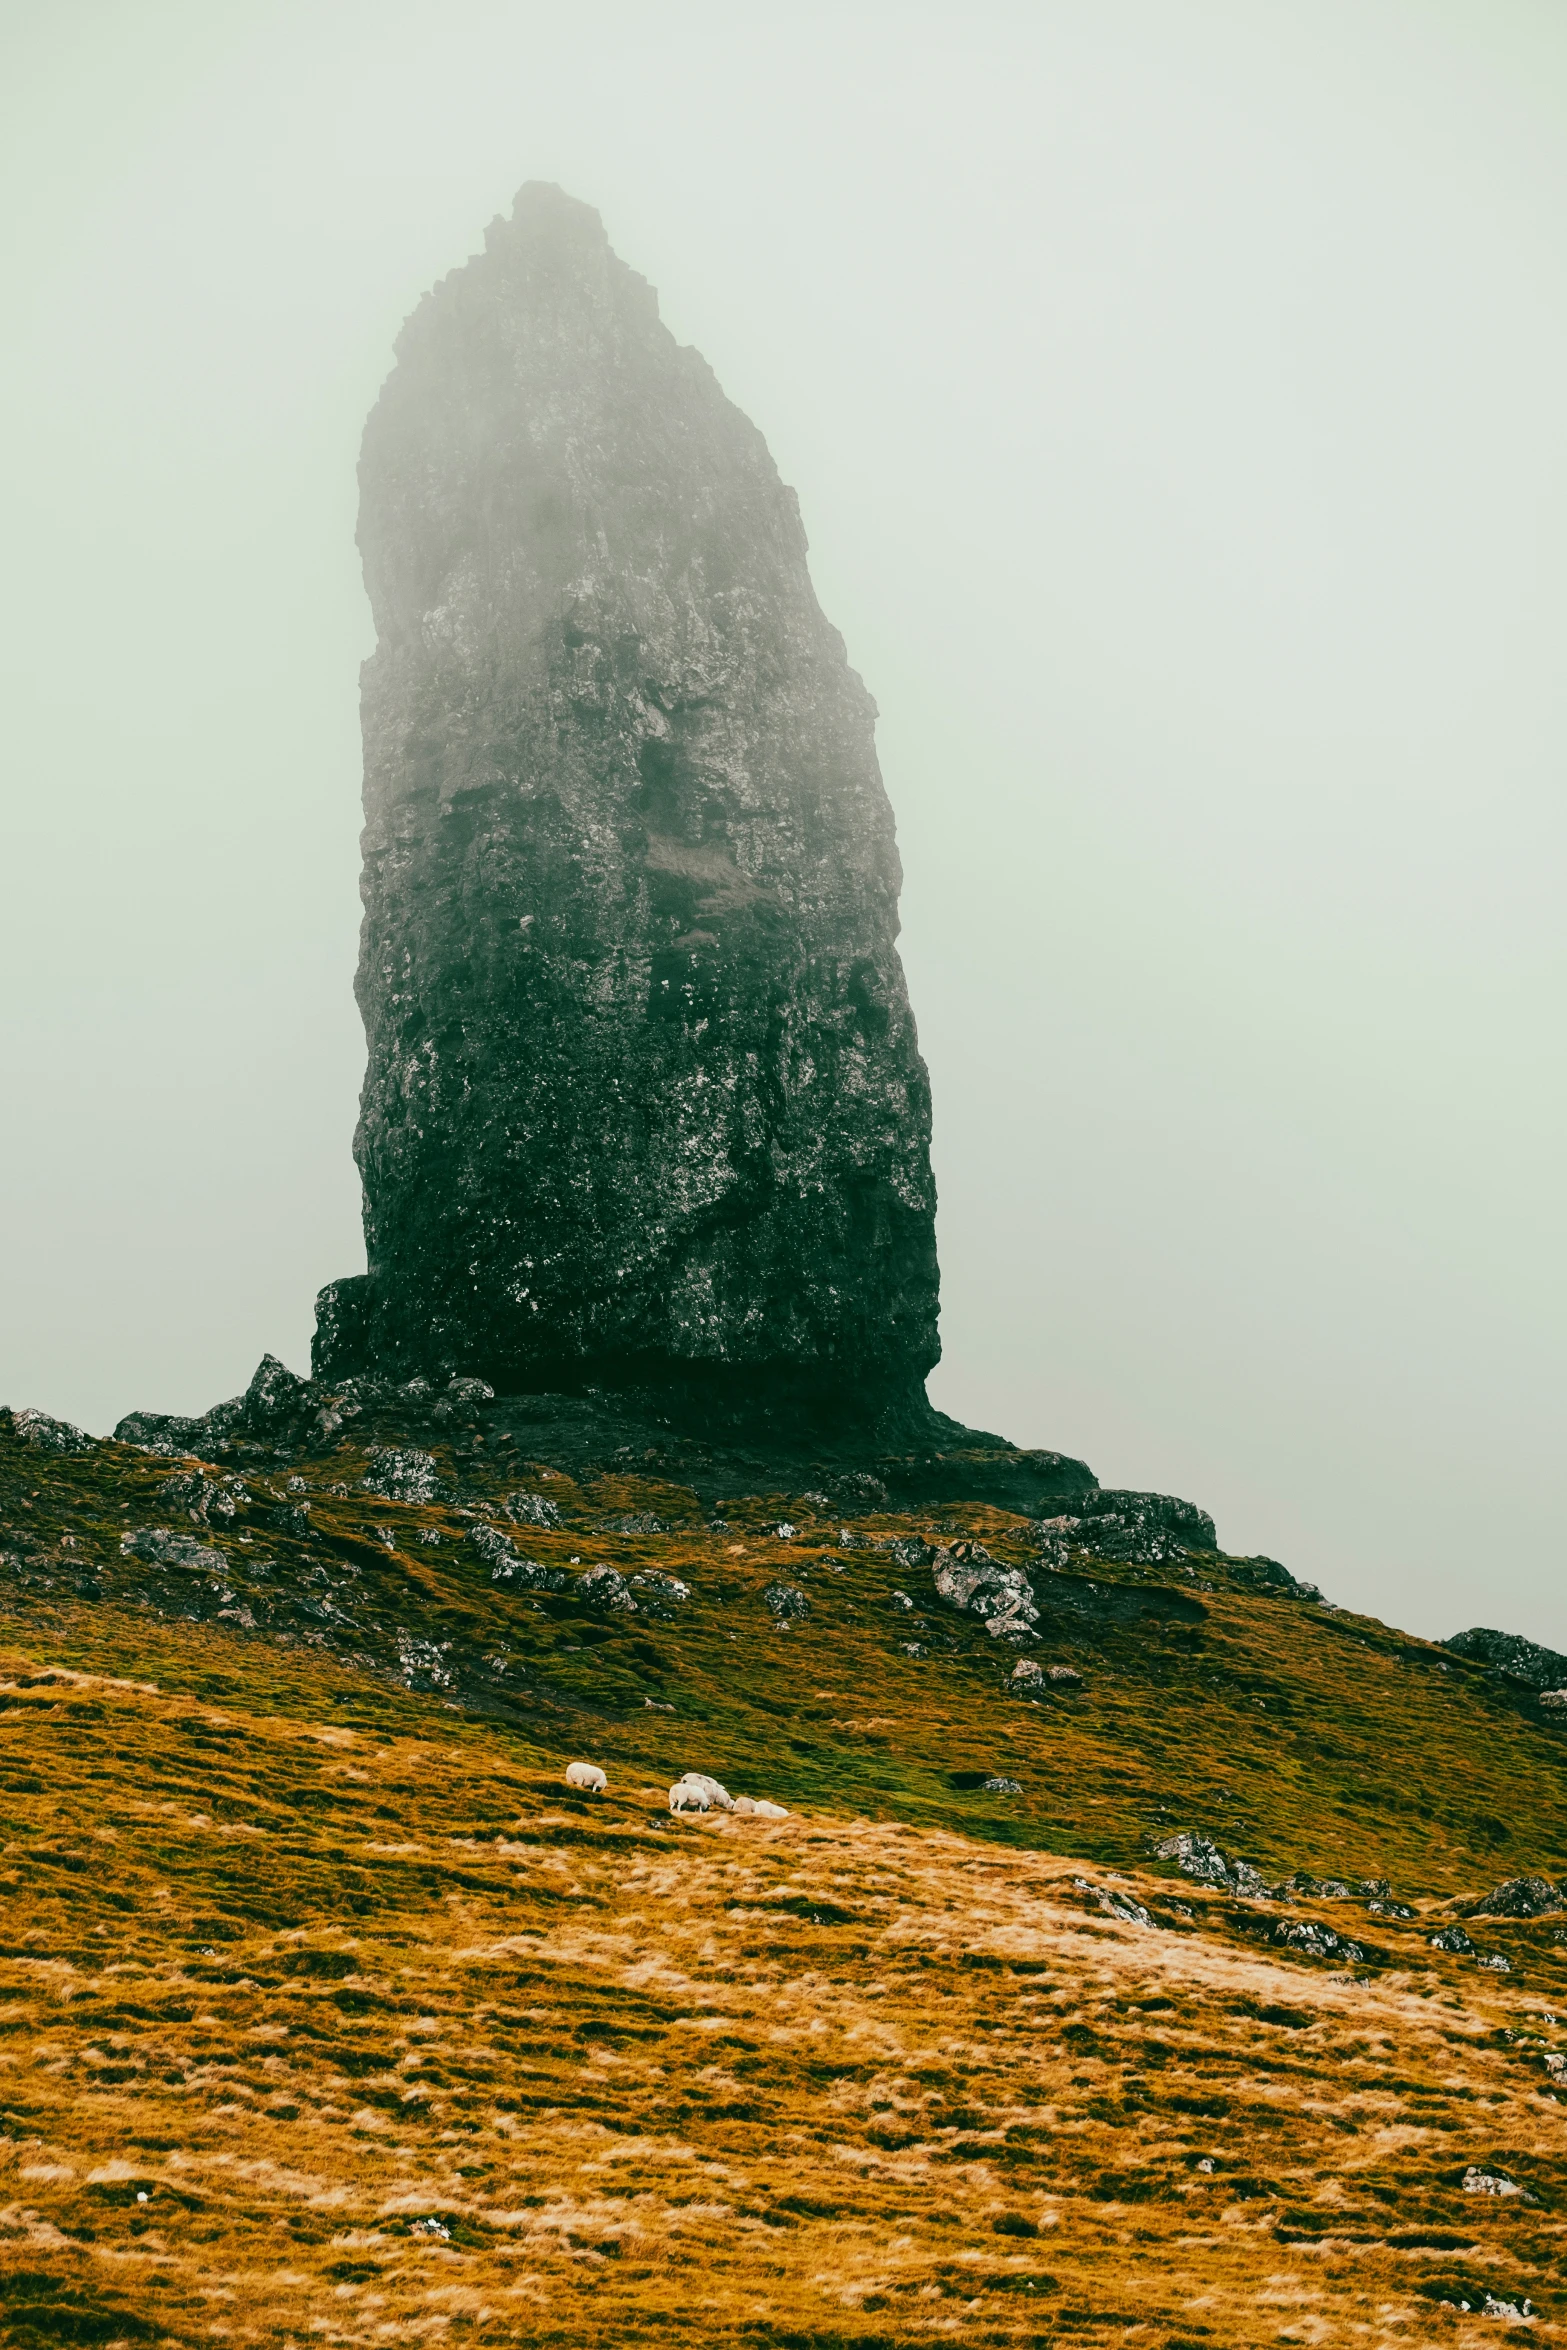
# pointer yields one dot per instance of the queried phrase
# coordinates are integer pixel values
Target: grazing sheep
(769, 1811)
(743, 1807)
(685, 1795)
(711, 1788)
(587, 1776)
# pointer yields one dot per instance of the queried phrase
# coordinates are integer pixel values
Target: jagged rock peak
(644, 1102)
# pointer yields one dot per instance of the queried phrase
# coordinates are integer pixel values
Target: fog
(1174, 392)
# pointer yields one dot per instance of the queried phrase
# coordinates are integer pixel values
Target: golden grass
(327, 2016)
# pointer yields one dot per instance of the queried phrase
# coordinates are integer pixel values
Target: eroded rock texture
(644, 1100)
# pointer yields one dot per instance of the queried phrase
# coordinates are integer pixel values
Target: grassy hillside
(306, 1945)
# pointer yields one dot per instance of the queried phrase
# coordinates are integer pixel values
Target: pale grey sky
(1174, 390)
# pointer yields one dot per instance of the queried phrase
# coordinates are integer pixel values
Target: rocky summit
(644, 1102)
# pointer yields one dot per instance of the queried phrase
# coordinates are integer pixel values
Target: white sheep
(743, 1807)
(713, 1789)
(685, 1795)
(769, 1811)
(586, 1776)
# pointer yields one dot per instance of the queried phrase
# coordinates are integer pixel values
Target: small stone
(1066, 1675)
(1003, 1786)
(1451, 1938)
(785, 1602)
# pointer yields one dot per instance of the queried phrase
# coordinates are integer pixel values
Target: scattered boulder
(1493, 2182)
(659, 1594)
(1199, 1857)
(1027, 1670)
(1512, 1656)
(605, 1587)
(167, 1549)
(1115, 1905)
(203, 1498)
(855, 1494)
(530, 1509)
(166, 1432)
(401, 1473)
(1555, 1700)
(967, 1577)
(639, 1522)
(786, 1603)
(1519, 1897)
(41, 1432)
(1003, 1786)
(1064, 1676)
(1320, 1941)
(500, 1555)
(1452, 1938)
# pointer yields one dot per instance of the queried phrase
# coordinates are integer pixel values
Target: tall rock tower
(644, 1103)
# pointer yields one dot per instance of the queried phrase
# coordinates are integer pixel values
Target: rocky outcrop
(644, 1103)
(1511, 1655)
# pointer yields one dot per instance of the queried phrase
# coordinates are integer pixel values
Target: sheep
(586, 1777)
(743, 1807)
(770, 1811)
(711, 1788)
(685, 1795)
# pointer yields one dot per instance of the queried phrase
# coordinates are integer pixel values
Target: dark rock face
(644, 1102)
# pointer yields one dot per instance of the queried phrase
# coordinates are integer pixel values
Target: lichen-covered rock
(501, 1556)
(1511, 1655)
(168, 1549)
(41, 1432)
(644, 1101)
(659, 1594)
(400, 1472)
(786, 1602)
(1520, 1897)
(1199, 1857)
(1137, 1529)
(967, 1577)
(606, 1587)
(203, 1498)
(530, 1509)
